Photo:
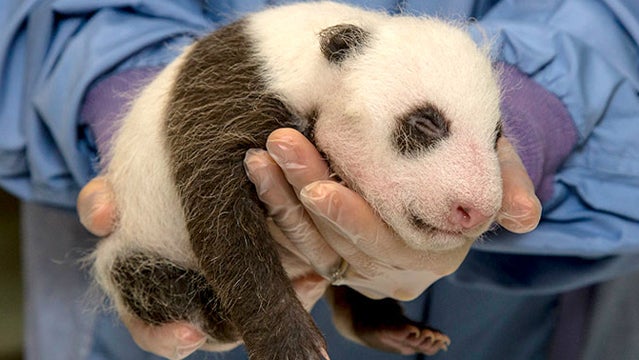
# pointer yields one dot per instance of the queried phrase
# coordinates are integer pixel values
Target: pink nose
(467, 217)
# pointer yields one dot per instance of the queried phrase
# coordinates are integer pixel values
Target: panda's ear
(339, 41)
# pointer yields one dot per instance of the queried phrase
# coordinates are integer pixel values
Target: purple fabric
(539, 126)
(108, 100)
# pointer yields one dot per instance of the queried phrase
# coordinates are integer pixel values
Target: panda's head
(413, 127)
(407, 112)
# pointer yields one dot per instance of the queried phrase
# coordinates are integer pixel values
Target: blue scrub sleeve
(50, 53)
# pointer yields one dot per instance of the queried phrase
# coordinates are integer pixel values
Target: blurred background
(10, 280)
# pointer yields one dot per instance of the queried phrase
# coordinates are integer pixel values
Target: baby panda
(406, 111)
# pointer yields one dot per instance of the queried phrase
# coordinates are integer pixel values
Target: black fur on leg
(159, 291)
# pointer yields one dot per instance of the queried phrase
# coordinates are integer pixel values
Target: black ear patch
(337, 42)
(420, 129)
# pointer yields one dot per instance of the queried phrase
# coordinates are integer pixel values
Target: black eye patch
(420, 129)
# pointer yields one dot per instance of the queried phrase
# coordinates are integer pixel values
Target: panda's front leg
(381, 324)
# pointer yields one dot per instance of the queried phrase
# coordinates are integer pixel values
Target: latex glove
(520, 208)
(96, 207)
(325, 222)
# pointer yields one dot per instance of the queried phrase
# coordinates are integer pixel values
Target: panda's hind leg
(381, 324)
(158, 291)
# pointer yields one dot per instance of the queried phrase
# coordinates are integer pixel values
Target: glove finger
(174, 341)
(521, 209)
(96, 207)
(300, 161)
(300, 234)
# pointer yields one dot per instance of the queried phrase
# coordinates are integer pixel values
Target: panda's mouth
(423, 225)
(428, 237)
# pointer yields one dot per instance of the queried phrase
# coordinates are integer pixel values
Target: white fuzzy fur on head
(406, 62)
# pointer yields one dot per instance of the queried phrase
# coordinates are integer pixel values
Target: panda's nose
(467, 217)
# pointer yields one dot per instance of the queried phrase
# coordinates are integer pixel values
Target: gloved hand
(330, 225)
(327, 225)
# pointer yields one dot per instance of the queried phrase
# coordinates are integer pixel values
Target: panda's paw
(406, 339)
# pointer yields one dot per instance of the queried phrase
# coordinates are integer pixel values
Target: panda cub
(406, 111)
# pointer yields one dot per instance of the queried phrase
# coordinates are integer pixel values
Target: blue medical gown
(585, 52)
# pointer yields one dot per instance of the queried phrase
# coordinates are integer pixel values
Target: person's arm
(51, 52)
